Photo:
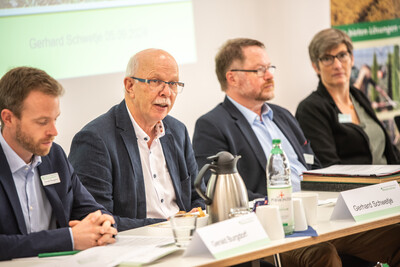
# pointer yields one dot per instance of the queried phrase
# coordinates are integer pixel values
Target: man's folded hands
(94, 230)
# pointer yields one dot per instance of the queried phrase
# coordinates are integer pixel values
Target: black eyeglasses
(328, 60)
(176, 87)
(260, 71)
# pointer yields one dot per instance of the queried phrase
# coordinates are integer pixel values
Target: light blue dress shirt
(266, 130)
(34, 203)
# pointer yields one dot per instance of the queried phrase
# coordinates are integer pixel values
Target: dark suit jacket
(334, 142)
(69, 201)
(105, 154)
(225, 129)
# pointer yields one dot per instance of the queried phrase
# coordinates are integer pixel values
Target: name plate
(368, 202)
(228, 238)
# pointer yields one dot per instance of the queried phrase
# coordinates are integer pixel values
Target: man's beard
(262, 96)
(29, 144)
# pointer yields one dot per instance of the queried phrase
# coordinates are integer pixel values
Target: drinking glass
(183, 227)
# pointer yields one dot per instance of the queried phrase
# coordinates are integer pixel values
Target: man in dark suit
(43, 205)
(244, 124)
(135, 160)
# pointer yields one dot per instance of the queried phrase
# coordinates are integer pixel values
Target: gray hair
(132, 66)
(326, 40)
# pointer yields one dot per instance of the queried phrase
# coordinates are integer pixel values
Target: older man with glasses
(135, 159)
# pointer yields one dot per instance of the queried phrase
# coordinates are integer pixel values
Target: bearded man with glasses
(338, 118)
(244, 124)
(135, 159)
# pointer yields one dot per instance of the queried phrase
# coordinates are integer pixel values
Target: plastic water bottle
(279, 185)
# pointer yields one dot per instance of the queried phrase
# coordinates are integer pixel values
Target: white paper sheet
(135, 250)
(357, 170)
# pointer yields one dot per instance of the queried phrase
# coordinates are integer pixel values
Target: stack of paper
(344, 177)
(128, 250)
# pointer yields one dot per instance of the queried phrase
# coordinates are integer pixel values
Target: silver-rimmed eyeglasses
(328, 60)
(260, 71)
(176, 87)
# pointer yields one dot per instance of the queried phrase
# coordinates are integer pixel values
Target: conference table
(326, 229)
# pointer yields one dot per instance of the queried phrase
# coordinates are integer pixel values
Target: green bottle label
(276, 150)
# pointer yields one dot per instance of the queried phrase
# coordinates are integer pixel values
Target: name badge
(309, 158)
(50, 179)
(344, 118)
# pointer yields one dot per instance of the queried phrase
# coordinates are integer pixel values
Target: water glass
(183, 227)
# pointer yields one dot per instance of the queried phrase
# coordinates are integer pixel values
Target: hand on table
(94, 230)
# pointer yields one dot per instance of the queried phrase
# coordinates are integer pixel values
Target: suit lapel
(7, 181)
(247, 131)
(127, 132)
(167, 143)
(58, 209)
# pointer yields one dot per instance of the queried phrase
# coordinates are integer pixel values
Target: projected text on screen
(94, 39)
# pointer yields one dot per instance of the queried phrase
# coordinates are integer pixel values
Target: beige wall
(285, 26)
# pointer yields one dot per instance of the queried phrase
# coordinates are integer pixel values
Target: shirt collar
(251, 116)
(142, 135)
(14, 161)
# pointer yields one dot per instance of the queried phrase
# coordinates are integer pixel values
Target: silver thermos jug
(226, 190)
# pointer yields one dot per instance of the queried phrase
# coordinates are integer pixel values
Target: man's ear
(231, 78)
(129, 87)
(7, 116)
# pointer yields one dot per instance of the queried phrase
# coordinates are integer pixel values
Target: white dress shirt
(159, 189)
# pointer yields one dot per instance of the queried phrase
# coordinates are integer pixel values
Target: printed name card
(50, 179)
(368, 202)
(228, 238)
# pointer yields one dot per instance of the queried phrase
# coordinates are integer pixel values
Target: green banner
(372, 30)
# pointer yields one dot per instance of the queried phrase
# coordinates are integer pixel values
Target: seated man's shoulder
(217, 114)
(56, 152)
(174, 124)
(279, 109)
(103, 120)
(283, 115)
(102, 126)
(56, 159)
